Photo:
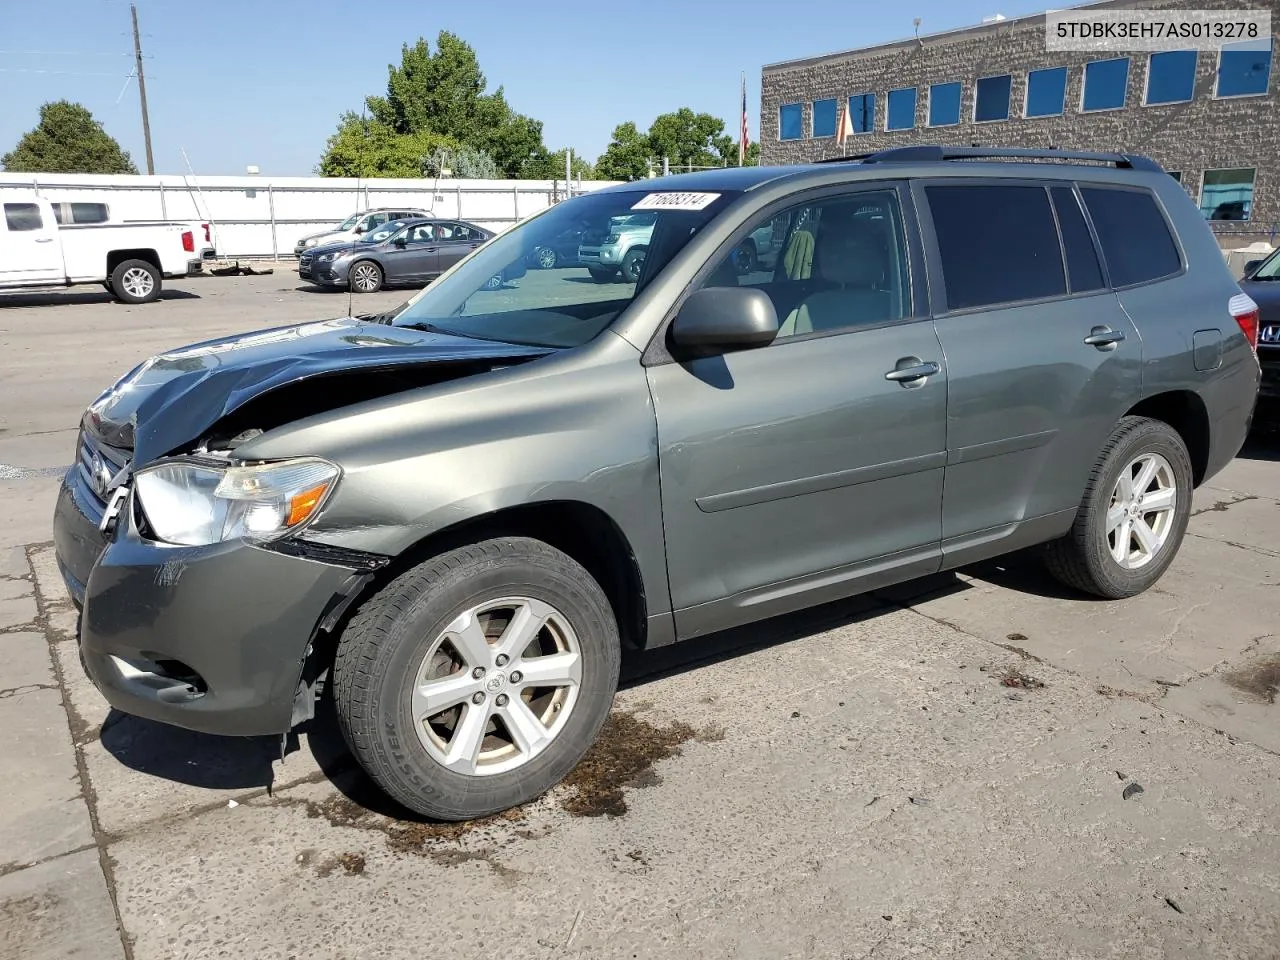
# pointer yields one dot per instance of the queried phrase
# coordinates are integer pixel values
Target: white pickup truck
(130, 259)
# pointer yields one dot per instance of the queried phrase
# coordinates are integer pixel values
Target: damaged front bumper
(212, 638)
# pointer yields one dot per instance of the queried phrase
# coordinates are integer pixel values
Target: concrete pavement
(947, 769)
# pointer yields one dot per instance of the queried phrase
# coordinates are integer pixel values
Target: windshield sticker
(676, 201)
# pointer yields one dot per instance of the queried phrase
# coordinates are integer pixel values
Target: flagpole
(742, 134)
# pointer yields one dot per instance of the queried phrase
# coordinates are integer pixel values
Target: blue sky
(241, 82)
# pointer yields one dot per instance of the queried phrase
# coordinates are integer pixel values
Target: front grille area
(98, 463)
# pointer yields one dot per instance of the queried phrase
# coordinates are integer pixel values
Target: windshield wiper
(428, 328)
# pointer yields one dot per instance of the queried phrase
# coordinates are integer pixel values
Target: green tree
(627, 156)
(550, 166)
(693, 139)
(368, 148)
(465, 163)
(443, 94)
(753, 155)
(67, 140)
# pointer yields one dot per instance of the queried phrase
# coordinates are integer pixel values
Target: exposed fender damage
(274, 376)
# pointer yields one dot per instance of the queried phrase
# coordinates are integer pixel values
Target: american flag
(745, 139)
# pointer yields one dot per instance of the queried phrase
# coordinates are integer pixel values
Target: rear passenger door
(457, 240)
(1042, 359)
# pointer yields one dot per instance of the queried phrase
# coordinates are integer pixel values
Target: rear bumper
(211, 639)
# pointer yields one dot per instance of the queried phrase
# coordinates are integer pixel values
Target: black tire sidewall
(629, 264)
(419, 781)
(1149, 437)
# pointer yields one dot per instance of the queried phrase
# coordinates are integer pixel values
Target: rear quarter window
(1137, 244)
(998, 244)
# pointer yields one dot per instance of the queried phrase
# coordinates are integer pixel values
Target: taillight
(189, 245)
(1245, 311)
(207, 238)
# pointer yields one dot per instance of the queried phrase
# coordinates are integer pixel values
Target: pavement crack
(27, 688)
(1222, 506)
(14, 867)
(1262, 551)
(87, 793)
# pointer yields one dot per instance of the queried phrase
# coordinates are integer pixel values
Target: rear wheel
(546, 258)
(365, 277)
(135, 281)
(600, 275)
(1133, 515)
(477, 680)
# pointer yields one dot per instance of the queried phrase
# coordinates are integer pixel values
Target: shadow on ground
(82, 295)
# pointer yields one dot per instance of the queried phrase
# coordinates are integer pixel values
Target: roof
(958, 33)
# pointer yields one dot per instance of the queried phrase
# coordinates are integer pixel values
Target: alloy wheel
(138, 282)
(1141, 514)
(364, 277)
(497, 686)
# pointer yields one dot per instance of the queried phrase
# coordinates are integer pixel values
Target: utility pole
(142, 89)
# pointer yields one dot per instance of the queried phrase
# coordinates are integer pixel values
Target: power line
(68, 73)
(59, 53)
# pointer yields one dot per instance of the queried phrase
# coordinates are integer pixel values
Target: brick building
(1211, 118)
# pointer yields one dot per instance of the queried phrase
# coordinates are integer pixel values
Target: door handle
(1104, 338)
(912, 370)
(44, 239)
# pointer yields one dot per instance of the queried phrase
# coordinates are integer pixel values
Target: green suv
(454, 517)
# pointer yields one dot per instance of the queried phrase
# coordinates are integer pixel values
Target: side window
(1133, 233)
(998, 244)
(464, 233)
(424, 233)
(23, 216)
(1083, 270)
(830, 265)
(89, 213)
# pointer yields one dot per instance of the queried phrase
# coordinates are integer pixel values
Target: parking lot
(977, 765)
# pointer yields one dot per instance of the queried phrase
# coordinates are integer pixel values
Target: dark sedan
(1262, 283)
(401, 252)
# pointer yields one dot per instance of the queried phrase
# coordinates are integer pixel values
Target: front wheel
(547, 258)
(1133, 516)
(365, 277)
(632, 264)
(476, 681)
(135, 281)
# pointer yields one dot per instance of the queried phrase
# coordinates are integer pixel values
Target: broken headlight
(194, 503)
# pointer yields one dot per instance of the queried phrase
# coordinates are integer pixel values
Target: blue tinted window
(791, 122)
(862, 112)
(902, 109)
(1243, 72)
(1105, 82)
(1046, 92)
(1227, 194)
(824, 118)
(944, 104)
(991, 99)
(1171, 76)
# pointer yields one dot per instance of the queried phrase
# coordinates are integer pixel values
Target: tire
(365, 276)
(633, 264)
(494, 283)
(600, 275)
(747, 261)
(1086, 558)
(135, 281)
(546, 258)
(399, 636)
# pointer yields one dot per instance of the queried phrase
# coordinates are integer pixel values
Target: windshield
(1270, 269)
(350, 222)
(383, 232)
(561, 277)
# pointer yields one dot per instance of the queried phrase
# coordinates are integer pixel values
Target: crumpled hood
(172, 398)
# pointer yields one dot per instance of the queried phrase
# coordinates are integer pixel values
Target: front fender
(578, 426)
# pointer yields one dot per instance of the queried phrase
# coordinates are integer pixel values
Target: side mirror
(400, 242)
(1251, 266)
(360, 228)
(721, 319)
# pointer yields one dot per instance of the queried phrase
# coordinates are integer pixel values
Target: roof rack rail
(929, 153)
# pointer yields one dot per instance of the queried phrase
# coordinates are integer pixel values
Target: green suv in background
(453, 518)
